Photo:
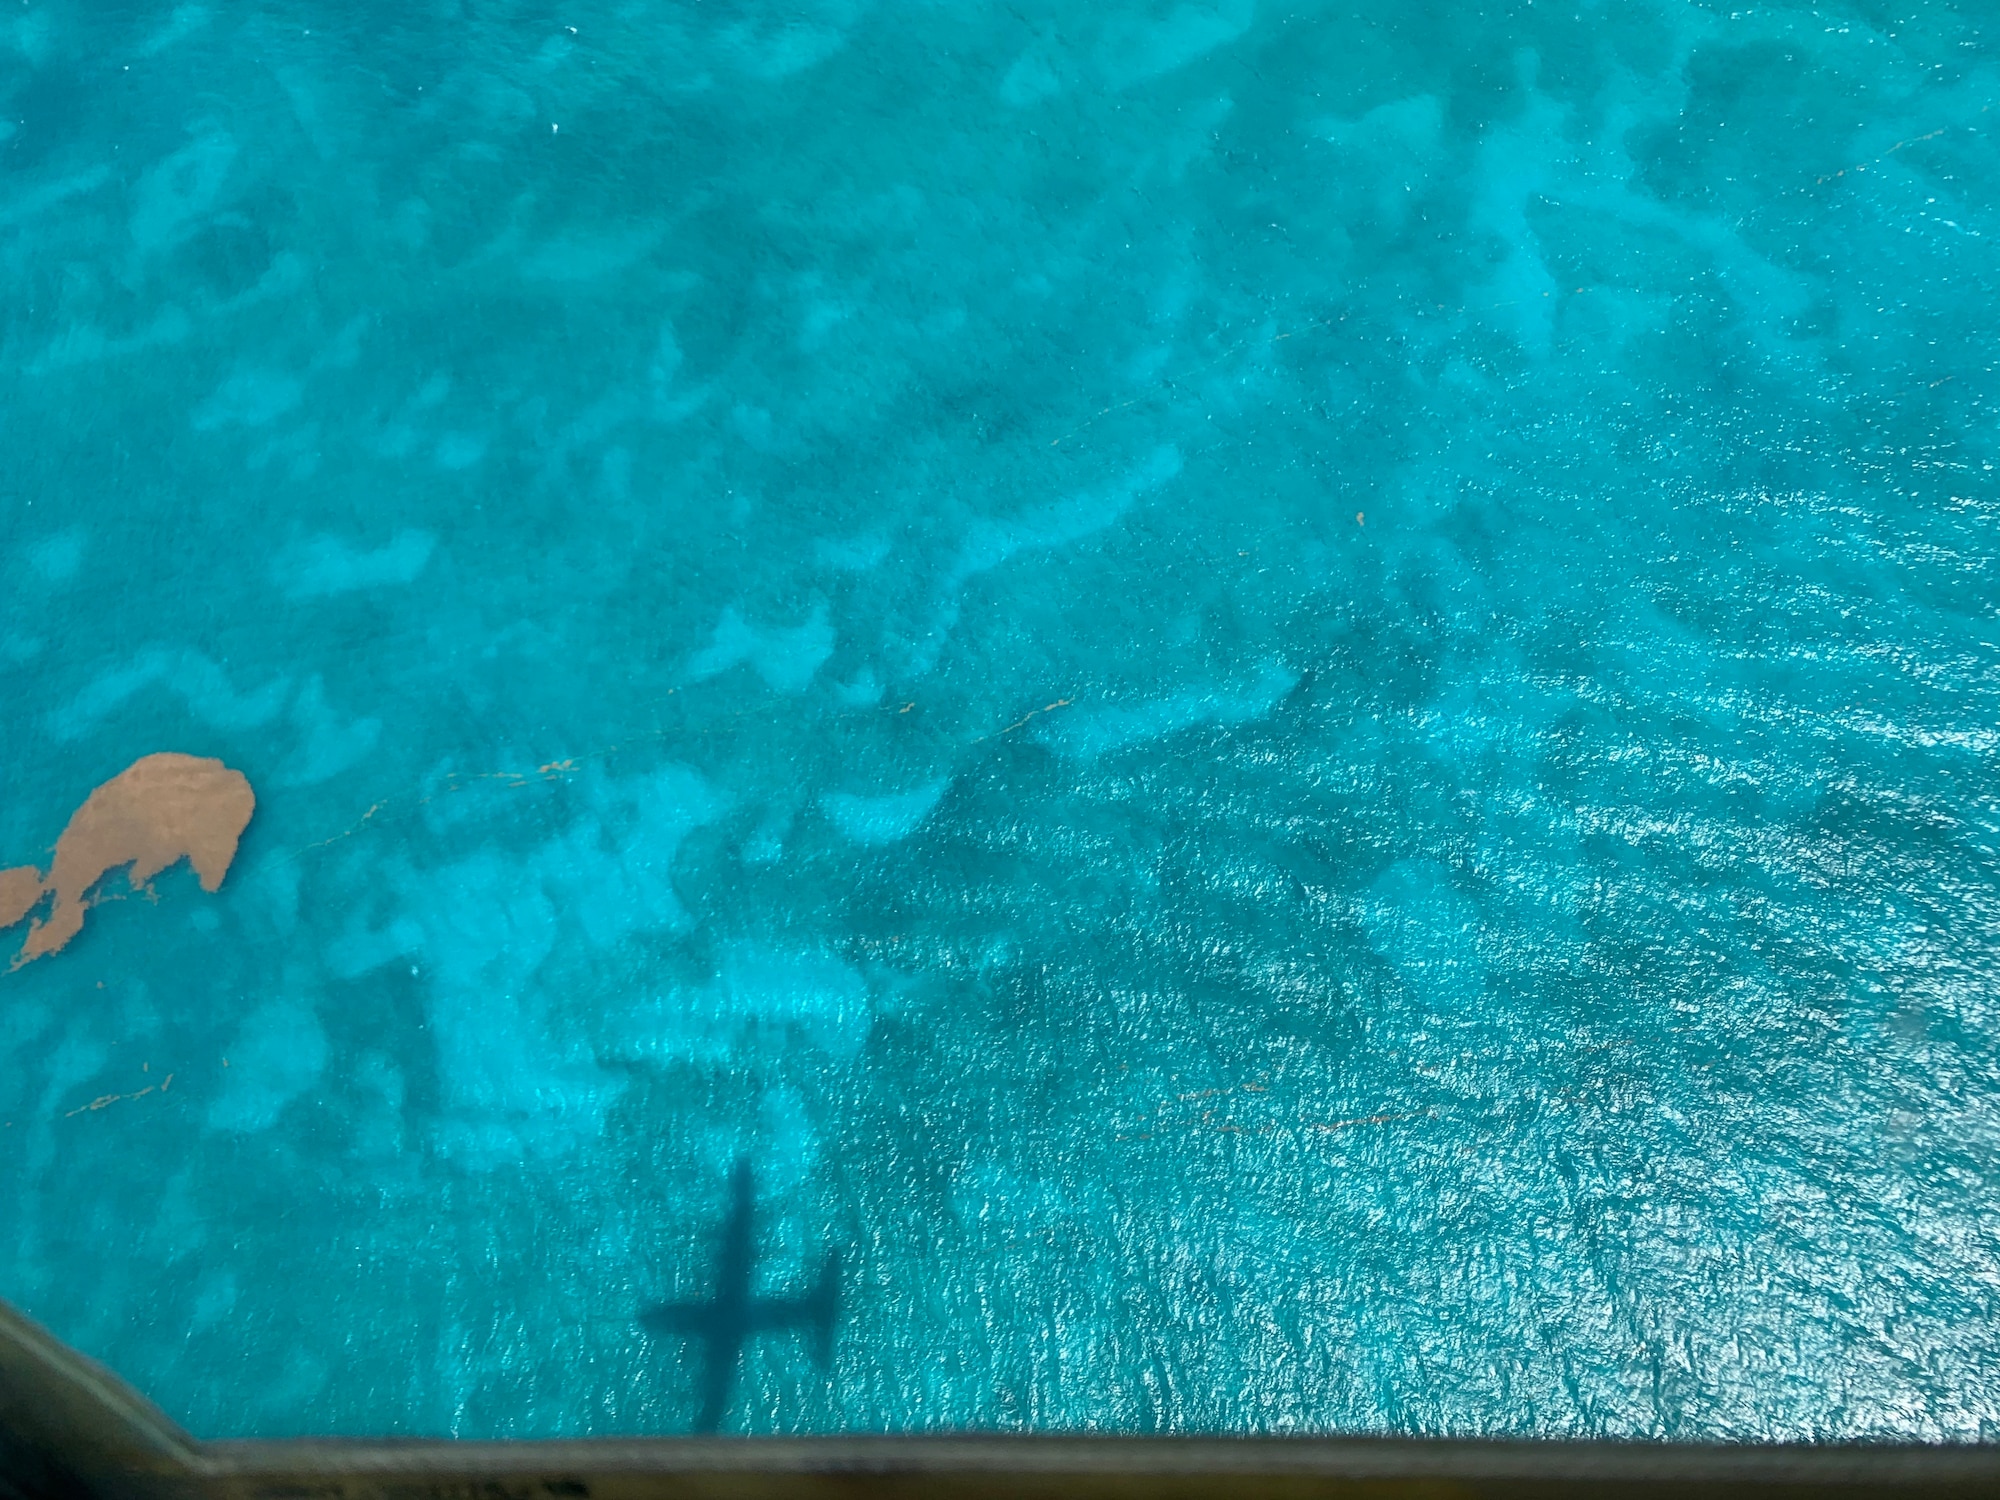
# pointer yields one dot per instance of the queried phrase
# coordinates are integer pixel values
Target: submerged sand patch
(159, 810)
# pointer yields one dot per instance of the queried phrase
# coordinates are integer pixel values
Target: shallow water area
(1159, 717)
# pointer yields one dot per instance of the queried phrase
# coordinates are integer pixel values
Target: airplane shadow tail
(822, 1308)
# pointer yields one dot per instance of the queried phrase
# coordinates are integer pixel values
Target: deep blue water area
(1287, 712)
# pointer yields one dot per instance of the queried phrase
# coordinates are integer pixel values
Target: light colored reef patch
(864, 688)
(787, 659)
(57, 559)
(586, 255)
(989, 543)
(278, 1053)
(517, 1076)
(325, 565)
(458, 450)
(883, 819)
(1088, 735)
(1031, 79)
(767, 845)
(159, 810)
(18, 650)
(200, 683)
(1430, 931)
(183, 23)
(176, 194)
(80, 344)
(250, 397)
(760, 999)
(214, 1301)
(782, 51)
(22, 206)
(1515, 167)
(788, 1141)
(328, 743)
(855, 554)
(1133, 49)
(1398, 148)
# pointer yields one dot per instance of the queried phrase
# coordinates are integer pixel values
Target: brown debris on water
(159, 810)
(19, 891)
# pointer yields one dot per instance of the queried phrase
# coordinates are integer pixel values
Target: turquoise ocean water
(1289, 711)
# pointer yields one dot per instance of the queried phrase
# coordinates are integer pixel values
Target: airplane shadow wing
(815, 1313)
(720, 1347)
(687, 1319)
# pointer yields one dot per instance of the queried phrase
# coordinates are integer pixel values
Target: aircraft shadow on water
(728, 1320)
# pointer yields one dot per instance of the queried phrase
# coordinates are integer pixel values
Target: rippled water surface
(1286, 712)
